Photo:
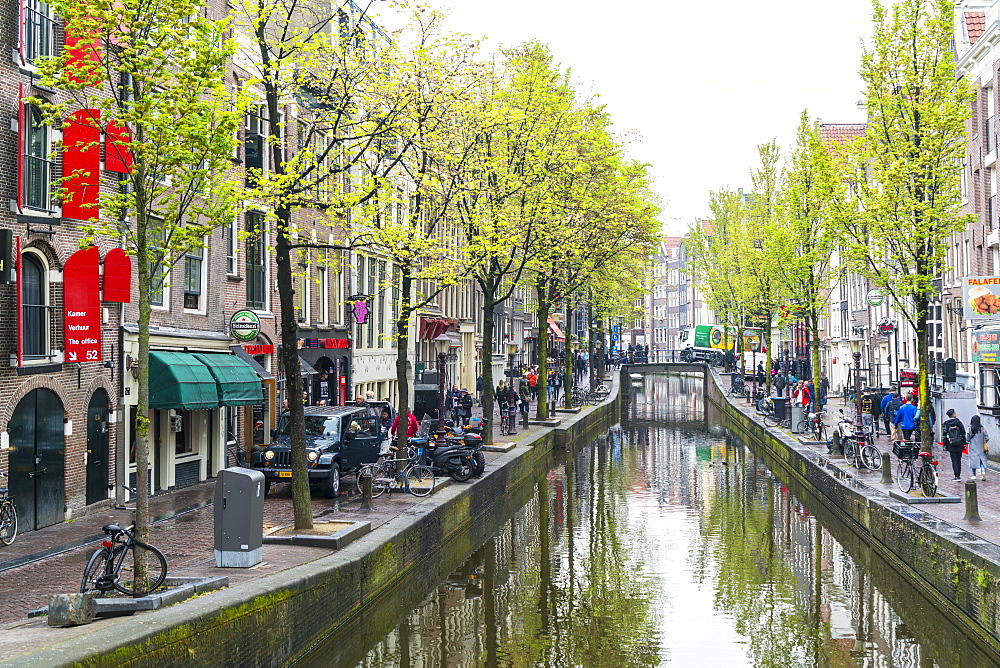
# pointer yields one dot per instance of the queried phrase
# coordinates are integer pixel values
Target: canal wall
(954, 569)
(273, 620)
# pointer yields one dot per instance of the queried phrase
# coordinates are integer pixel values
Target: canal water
(664, 541)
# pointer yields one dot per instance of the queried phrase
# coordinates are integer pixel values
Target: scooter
(449, 458)
(471, 437)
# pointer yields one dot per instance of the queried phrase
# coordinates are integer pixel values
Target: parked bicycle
(414, 478)
(112, 566)
(737, 388)
(907, 472)
(8, 515)
(814, 425)
(765, 406)
(508, 419)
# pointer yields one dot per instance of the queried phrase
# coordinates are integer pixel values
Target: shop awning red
(554, 328)
(431, 328)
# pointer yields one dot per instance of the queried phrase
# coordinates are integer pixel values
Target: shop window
(35, 306)
(36, 165)
(256, 258)
(184, 440)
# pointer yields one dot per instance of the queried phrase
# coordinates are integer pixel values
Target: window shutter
(81, 49)
(82, 164)
(117, 155)
(20, 148)
(117, 277)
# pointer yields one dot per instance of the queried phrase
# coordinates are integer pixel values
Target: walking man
(953, 432)
(906, 419)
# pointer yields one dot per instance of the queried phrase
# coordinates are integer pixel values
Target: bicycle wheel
(871, 457)
(771, 421)
(803, 427)
(928, 481)
(851, 452)
(819, 432)
(904, 476)
(8, 522)
(420, 480)
(96, 568)
(156, 568)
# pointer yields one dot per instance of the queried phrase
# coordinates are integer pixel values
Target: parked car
(339, 439)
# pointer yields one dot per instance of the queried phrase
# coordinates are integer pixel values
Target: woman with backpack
(978, 438)
(953, 432)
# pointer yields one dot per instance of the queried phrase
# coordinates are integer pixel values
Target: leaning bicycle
(813, 425)
(414, 478)
(907, 473)
(112, 566)
(8, 516)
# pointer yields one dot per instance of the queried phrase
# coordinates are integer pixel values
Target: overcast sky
(701, 83)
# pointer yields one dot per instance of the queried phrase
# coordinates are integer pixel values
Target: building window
(232, 232)
(37, 165)
(158, 271)
(358, 331)
(255, 142)
(39, 28)
(256, 268)
(302, 293)
(323, 281)
(35, 305)
(193, 276)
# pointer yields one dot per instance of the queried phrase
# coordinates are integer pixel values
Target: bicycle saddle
(111, 529)
(924, 454)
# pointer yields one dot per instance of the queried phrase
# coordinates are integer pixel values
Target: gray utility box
(239, 518)
(799, 413)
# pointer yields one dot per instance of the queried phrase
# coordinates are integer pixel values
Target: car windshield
(316, 425)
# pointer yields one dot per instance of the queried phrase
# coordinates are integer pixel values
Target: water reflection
(661, 543)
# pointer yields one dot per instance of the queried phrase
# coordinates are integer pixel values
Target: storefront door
(97, 447)
(37, 460)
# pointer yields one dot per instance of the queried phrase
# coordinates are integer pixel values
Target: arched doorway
(97, 447)
(38, 460)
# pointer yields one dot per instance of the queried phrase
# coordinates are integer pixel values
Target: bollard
(838, 448)
(366, 490)
(971, 502)
(524, 420)
(886, 469)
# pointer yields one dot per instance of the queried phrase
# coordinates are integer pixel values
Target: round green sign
(244, 326)
(875, 297)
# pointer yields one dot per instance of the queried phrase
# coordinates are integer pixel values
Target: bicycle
(8, 516)
(813, 424)
(906, 471)
(771, 420)
(507, 417)
(416, 479)
(737, 388)
(765, 406)
(112, 564)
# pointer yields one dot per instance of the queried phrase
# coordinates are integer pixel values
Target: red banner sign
(82, 306)
(335, 343)
(259, 349)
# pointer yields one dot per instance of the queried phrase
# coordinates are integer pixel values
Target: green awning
(181, 382)
(238, 384)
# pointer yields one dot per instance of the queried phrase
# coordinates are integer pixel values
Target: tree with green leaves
(905, 171)
(811, 188)
(152, 76)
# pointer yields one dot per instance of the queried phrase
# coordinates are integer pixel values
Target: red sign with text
(82, 306)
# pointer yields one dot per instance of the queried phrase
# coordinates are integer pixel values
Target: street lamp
(857, 345)
(442, 343)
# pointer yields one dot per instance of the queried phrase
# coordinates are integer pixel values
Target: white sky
(702, 84)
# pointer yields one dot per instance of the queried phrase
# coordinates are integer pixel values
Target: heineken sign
(875, 297)
(244, 326)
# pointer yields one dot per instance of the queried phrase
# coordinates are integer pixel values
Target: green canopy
(181, 382)
(238, 384)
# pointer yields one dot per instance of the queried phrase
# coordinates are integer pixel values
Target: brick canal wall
(955, 570)
(270, 621)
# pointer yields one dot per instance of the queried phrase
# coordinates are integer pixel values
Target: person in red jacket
(411, 425)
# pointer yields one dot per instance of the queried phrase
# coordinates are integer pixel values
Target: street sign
(615, 337)
(82, 306)
(875, 297)
(244, 326)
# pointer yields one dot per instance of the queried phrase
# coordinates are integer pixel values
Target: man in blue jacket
(906, 419)
(887, 417)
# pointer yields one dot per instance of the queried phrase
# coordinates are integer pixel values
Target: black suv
(339, 439)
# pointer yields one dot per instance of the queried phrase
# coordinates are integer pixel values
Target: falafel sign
(981, 297)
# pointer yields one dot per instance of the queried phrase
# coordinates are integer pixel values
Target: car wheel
(333, 483)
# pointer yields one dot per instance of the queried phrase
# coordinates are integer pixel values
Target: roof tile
(975, 25)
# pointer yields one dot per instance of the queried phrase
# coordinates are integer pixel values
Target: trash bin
(798, 415)
(239, 518)
(779, 407)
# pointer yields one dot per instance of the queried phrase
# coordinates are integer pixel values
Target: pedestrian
(385, 424)
(411, 425)
(479, 389)
(525, 396)
(465, 406)
(760, 373)
(323, 390)
(953, 435)
(867, 404)
(730, 360)
(451, 403)
(905, 419)
(876, 409)
(501, 391)
(533, 384)
(890, 406)
(824, 390)
(978, 440)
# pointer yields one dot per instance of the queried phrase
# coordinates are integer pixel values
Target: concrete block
(71, 609)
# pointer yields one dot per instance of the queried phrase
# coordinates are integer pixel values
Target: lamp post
(442, 343)
(857, 343)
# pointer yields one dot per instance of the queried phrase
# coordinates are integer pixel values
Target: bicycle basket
(904, 450)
